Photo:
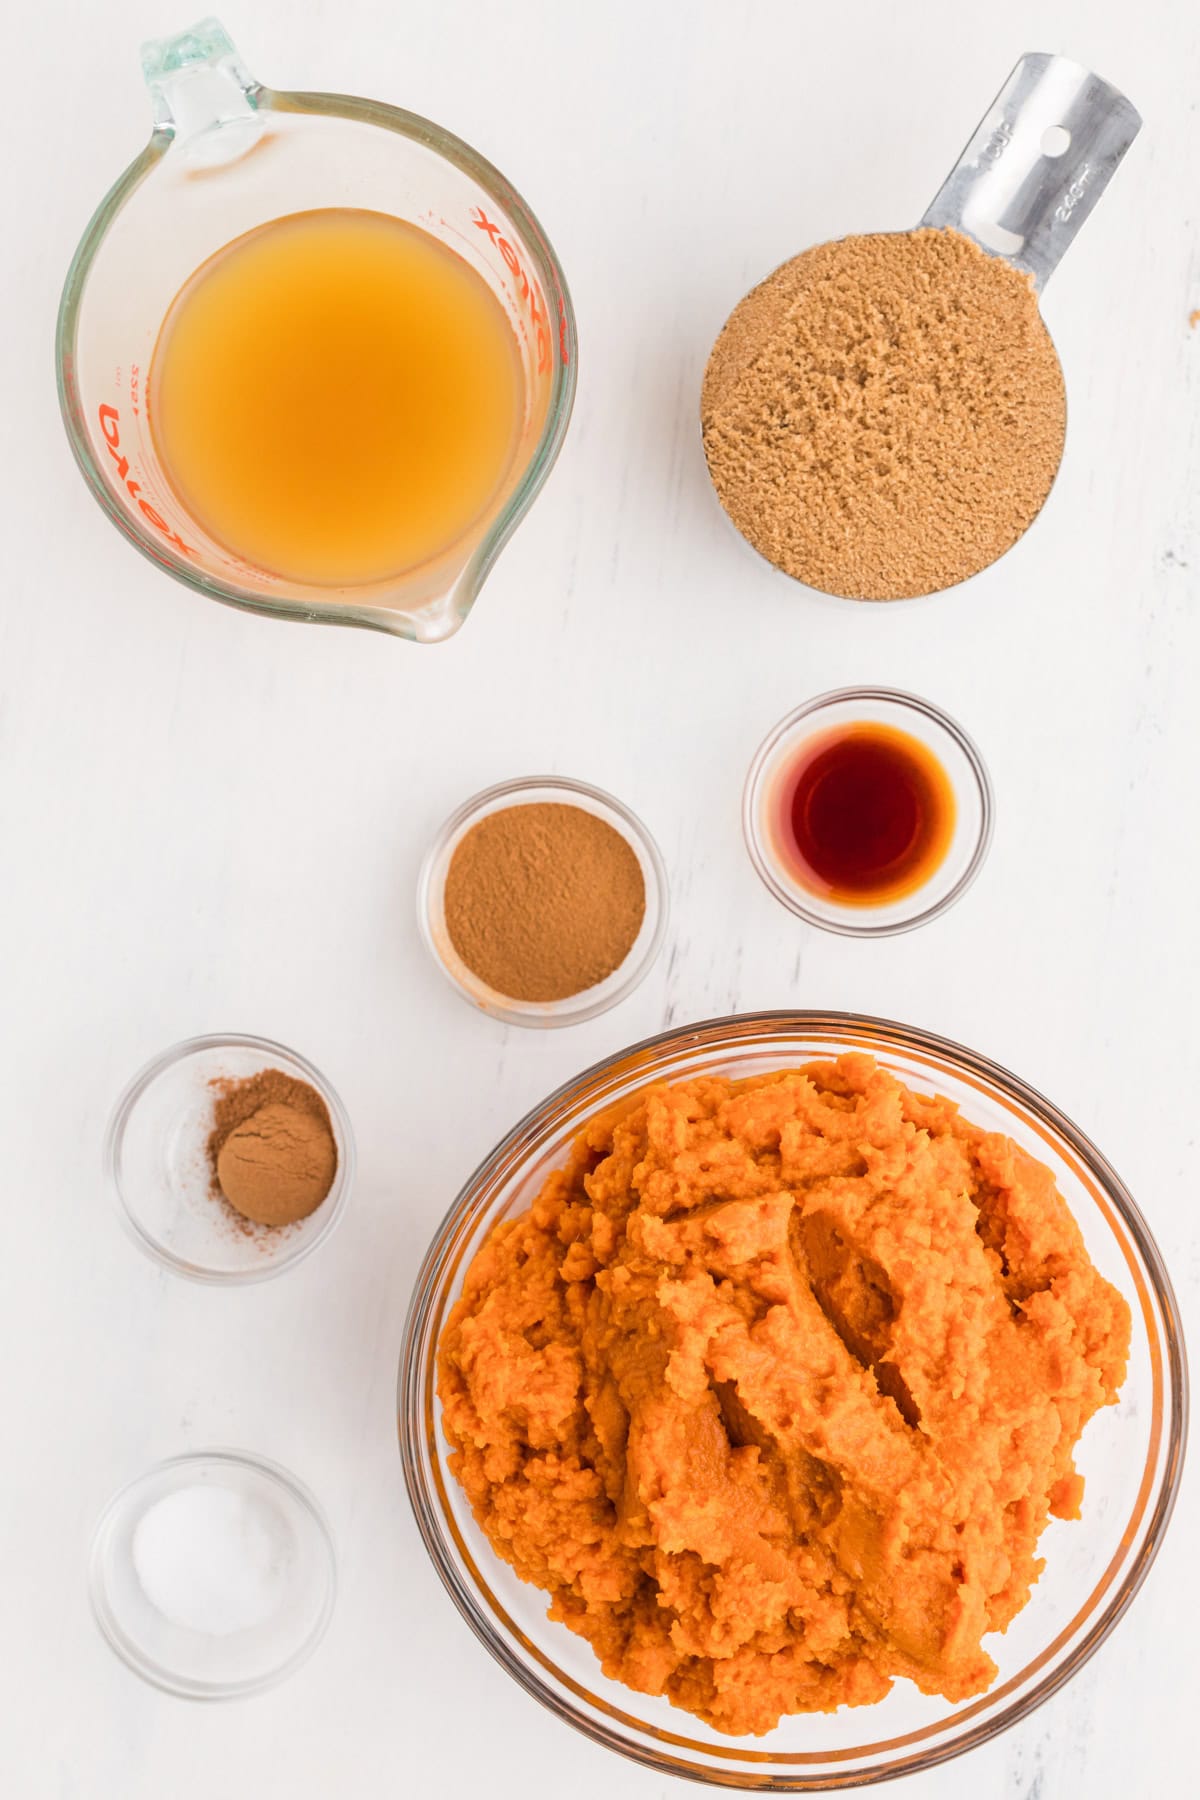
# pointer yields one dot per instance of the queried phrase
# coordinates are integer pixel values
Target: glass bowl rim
(154, 1673)
(335, 1200)
(576, 1008)
(418, 1357)
(845, 926)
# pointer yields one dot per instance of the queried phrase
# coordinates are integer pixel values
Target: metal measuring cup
(1037, 163)
(1031, 173)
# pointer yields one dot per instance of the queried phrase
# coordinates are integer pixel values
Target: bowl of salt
(213, 1574)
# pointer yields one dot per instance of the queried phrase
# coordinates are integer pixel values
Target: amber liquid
(865, 814)
(336, 397)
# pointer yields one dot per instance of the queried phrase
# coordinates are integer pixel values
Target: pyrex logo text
(529, 293)
(110, 426)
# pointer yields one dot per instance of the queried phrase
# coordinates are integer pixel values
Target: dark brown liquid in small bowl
(864, 814)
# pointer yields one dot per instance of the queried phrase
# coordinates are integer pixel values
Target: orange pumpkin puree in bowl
(775, 1386)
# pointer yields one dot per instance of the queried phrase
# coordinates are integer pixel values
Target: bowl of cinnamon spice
(543, 901)
(231, 1158)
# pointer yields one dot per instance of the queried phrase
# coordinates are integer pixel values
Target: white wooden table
(211, 821)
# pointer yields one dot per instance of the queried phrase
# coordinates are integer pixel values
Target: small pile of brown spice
(271, 1148)
(884, 415)
(543, 900)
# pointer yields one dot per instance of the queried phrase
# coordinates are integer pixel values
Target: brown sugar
(884, 415)
(543, 900)
(271, 1148)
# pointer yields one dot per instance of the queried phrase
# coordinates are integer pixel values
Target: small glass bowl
(591, 1001)
(958, 756)
(156, 1159)
(1131, 1454)
(194, 1664)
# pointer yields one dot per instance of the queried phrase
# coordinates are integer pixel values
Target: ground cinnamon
(543, 900)
(884, 415)
(271, 1148)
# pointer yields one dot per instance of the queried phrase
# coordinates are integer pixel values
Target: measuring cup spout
(205, 99)
(1037, 163)
(428, 608)
(440, 617)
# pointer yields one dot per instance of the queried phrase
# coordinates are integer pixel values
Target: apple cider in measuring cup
(336, 397)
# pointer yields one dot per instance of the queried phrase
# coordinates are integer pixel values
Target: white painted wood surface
(212, 821)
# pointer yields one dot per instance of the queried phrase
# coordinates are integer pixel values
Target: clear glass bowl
(958, 756)
(589, 1002)
(197, 1664)
(156, 1161)
(1130, 1454)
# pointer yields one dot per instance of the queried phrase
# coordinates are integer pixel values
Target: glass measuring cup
(226, 155)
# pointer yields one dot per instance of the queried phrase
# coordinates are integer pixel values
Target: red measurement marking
(529, 292)
(110, 426)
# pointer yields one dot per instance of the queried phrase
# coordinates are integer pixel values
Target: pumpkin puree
(775, 1386)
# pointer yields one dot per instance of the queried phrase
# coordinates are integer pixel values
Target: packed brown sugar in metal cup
(884, 415)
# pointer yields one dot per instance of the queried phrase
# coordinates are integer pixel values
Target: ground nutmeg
(271, 1149)
(543, 900)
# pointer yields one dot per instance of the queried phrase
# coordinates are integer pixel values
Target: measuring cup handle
(205, 99)
(1037, 164)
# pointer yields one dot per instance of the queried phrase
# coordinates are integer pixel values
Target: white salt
(211, 1559)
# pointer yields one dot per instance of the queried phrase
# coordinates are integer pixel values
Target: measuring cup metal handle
(1037, 164)
(205, 99)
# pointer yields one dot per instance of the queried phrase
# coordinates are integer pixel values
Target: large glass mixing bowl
(1131, 1454)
